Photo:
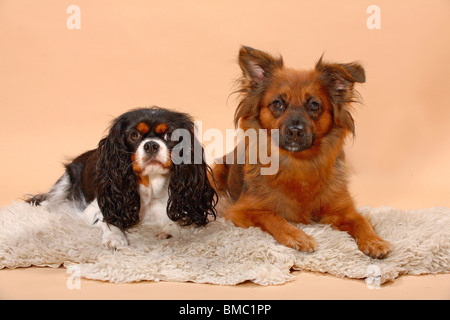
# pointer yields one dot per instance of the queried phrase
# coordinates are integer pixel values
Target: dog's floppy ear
(339, 79)
(117, 185)
(257, 65)
(192, 199)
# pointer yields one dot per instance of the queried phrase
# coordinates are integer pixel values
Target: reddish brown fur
(161, 128)
(143, 127)
(311, 185)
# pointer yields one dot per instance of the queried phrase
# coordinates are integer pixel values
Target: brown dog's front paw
(374, 247)
(296, 239)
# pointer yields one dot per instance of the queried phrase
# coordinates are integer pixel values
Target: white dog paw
(113, 238)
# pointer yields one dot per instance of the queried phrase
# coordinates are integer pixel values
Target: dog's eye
(278, 105)
(135, 135)
(314, 106)
(167, 136)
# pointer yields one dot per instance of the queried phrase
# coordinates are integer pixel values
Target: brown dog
(311, 110)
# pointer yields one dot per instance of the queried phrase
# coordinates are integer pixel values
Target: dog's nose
(295, 132)
(151, 147)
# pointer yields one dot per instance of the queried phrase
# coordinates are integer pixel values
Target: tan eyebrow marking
(160, 128)
(142, 127)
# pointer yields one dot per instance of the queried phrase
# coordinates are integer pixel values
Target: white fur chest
(154, 199)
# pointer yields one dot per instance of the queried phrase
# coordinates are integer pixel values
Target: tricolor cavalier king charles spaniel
(138, 172)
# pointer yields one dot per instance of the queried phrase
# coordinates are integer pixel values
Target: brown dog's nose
(295, 132)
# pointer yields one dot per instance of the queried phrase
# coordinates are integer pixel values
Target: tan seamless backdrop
(60, 88)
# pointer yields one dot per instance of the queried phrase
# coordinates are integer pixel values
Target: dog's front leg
(244, 213)
(112, 237)
(348, 219)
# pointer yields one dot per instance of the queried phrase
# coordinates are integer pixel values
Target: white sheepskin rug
(221, 253)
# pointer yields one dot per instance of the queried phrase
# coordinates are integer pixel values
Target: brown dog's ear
(257, 65)
(339, 78)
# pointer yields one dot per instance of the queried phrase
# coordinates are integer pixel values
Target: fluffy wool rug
(221, 253)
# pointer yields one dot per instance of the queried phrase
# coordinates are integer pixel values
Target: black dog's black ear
(117, 185)
(192, 199)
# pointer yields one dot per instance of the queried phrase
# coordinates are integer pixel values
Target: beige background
(60, 88)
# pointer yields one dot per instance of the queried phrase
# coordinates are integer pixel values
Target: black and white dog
(143, 170)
